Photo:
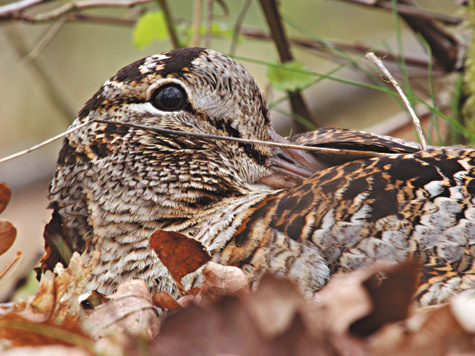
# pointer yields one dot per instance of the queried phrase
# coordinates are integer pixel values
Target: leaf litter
(367, 312)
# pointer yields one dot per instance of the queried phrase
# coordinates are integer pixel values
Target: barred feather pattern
(115, 185)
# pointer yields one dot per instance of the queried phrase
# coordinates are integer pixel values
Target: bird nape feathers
(297, 214)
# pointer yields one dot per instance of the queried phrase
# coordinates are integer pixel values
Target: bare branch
(42, 144)
(297, 101)
(411, 10)
(209, 20)
(10, 264)
(238, 25)
(8, 13)
(195, 39)
(49, 89)
(415, 119)
(170, 25)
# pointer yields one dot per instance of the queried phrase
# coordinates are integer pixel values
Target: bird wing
(419, 205)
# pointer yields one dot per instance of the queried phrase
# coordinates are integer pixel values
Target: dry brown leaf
(272, 324)
(57, 248)
(226, 328)
(363, 301)
(391, 297)
(179, 253)
(344, 300)
(220, 281)
(440, 334)
(163, 300)
(298, 341)
(52, 350)
(17, 331)
(274, 304)
(463, 309)
(129, 310)
(7, 235)
(5, 195)
(58, 298)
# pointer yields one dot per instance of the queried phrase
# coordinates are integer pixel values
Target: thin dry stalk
(371, 56)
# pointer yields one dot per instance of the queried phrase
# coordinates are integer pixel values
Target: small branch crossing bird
(298, 214)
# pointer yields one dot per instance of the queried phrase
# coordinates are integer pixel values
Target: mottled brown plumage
(116, 185)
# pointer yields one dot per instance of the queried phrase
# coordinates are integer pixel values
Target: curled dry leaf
(5, 195)
(130, 310)
(274, 304)
(179, 253)
(58, 298)
(226, 328)
(163, 300)
(440, 334)
(391, 297)
(268, 322)
(7, 235)
(57, 246)
(363, 301)
(463, 308)
(52, 350)
(220, 281)
(17, 331)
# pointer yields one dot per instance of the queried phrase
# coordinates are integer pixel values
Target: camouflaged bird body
(410, 205)
(116, 185)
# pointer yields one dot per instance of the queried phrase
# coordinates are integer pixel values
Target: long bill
(289, 166)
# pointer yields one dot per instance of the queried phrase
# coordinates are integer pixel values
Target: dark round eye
(169, 97)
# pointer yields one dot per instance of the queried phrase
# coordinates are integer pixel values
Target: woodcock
(301, 215)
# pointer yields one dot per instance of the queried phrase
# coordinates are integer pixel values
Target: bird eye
(169, 97)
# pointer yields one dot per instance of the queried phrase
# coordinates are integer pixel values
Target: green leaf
(149, 27)
(220, 29)
(288, 78)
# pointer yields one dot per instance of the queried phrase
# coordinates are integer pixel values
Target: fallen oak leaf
(5, 195)
(7, 235)
(179, 253)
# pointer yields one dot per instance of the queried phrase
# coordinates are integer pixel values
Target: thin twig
(52, 32)
(243, 140)
(395, 84)
(49, 89)
(10, 264)
(197, 135)
(170, 25)
(9, 11)
(44, 143)
(196, 25)
(297, 102)
(209, 21)
(238, 25)
(405, 9)
(8, 14)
